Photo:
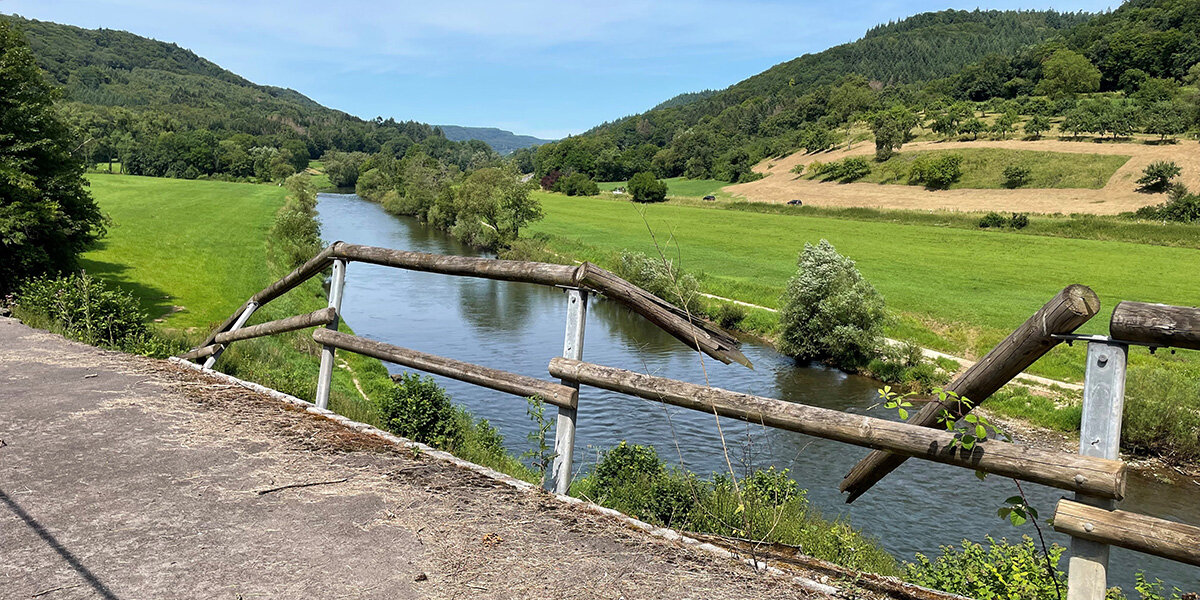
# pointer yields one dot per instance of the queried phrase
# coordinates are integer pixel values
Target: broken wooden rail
(1069, 309)
(1100, 477)
(502, 381)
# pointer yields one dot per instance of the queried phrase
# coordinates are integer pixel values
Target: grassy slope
(202, 245)
(955, 289)
(983, 168)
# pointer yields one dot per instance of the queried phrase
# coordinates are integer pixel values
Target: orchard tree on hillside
(46, 216)
(1036, 125)
(1067, 73)
(892, 128)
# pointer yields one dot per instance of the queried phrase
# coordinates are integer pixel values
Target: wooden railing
(1095, 475)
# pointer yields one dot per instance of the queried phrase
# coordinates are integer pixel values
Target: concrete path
(124, 477)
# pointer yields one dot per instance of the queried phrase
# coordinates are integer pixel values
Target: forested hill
(163, 110)
(504, 142)
(914, 50)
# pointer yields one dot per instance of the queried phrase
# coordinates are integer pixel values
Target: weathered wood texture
(312, 319)
(1096, 476)
(1156, 324)
(1069, 309)
(689, 329)
(202, 352)
(298, 276)
(503, 381)
(489, 268)
(1151, 535)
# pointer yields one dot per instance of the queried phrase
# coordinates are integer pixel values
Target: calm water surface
(519, 327)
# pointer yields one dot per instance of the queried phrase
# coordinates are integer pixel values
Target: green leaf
(903, 414)
(980, 432)
(1014, 500)
(981, 475)
(1017, 518)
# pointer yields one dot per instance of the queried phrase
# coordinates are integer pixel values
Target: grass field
(680, 187)
(202, 246)
(983, 168)
(956, 290)
(197, 245)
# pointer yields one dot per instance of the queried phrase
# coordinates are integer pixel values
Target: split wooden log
(689, 329)
(503, 381)
(1156, 325)
(1066, 312)
(1093, 476)
(324, 316)
(1142, 533)
(488, 268)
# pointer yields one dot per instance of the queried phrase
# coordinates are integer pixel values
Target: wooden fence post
(1100, 437)
(325, 377)
(564, 432)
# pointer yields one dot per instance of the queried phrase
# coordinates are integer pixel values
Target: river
(519, 327)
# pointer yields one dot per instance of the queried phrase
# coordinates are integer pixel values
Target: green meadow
(681, 187)
(193, 251)
(956, 290)
(983, 168)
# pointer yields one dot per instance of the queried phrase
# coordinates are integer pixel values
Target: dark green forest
(162, 110)
(943, 65)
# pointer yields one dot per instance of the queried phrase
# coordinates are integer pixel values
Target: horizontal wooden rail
(690, 329)
(503, 381)
(1156, 325)
(1069, 309)
(488, 268)
(286, 283)
(324, 316)
(1094, 476)
(202, 352)
(1142, 533)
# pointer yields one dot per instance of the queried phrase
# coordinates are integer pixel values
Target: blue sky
(536, 67)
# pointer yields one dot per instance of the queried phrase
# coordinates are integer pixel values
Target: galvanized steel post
(564, 432)
(1099, 436)
(238, 324)
(325, 377)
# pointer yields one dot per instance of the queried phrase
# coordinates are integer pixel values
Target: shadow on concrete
(51, 541)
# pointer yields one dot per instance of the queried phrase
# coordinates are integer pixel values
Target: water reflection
(519, 327)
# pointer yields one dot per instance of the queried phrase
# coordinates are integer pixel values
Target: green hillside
(160, 109)
(959, 65)
(504, 142)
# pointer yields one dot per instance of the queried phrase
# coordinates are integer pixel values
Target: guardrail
(1095, 475)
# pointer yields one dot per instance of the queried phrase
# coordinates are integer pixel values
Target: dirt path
(123, 477)
(1118, 196)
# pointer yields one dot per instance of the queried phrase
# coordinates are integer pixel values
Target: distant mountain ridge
(502, 141)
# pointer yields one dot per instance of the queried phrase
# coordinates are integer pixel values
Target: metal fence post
(325, 377)
(238, 324)
(564, 432)
(1099, 436)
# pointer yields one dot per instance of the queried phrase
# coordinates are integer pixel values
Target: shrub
(1000, 570)
(936, 173)
(295, 236)
(1016, 176)
(847, 170)
(729, 315)
(829, 312)
(993, 219)
(1157, 176)
(1181, 206)
(549, 181)
(577, 184)
(82, 307)
(643, 187)
(1162, 414)
(419, 409)
(766, 505)
(1019, 221)
(798, 169)
(661, 278)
